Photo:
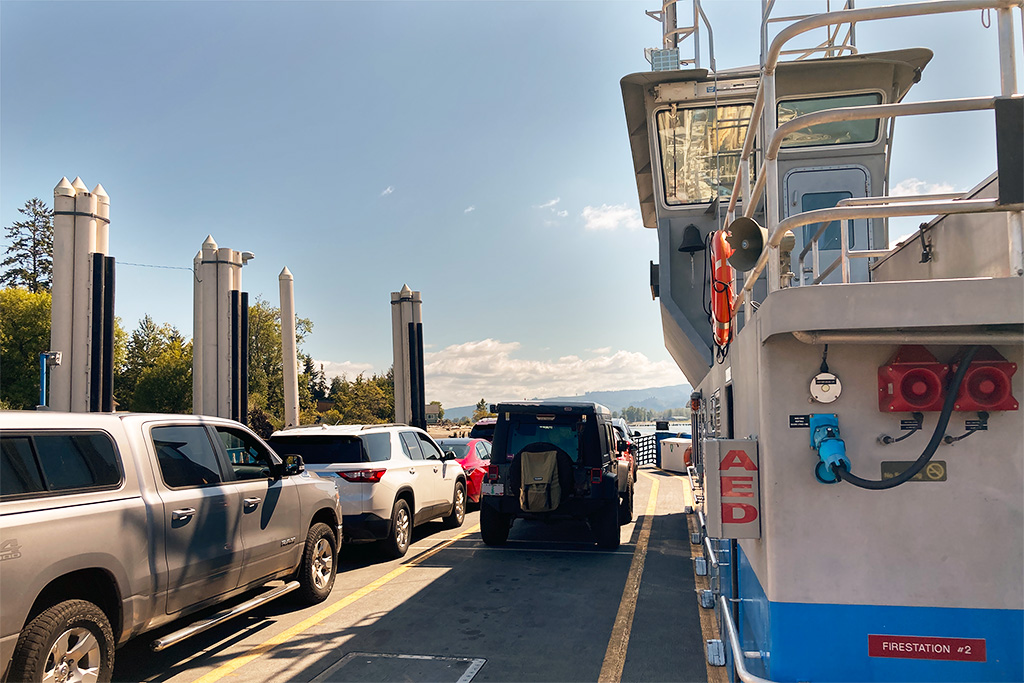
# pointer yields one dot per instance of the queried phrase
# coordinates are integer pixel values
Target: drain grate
(370, 667)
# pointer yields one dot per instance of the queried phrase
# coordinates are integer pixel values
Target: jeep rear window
(57, 463)
(566, 432)
(335, 449)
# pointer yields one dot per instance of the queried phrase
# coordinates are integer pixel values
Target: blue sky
(474, 150)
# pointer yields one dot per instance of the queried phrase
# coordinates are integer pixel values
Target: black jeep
(555, 461)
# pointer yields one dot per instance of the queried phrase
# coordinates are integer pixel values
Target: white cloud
(549, 204)
(562, 214)
(348, 368)
(462, 374)
(913, 186)
(611, 217)
(900, 228)
(387, 190)
(469, 209)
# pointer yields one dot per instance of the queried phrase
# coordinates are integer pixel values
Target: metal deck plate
(371, 667)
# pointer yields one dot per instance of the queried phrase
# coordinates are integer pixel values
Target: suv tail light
(595, 475)
(492, 473)
(362, 476)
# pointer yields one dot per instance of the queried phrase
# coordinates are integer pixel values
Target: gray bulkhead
(822, 173)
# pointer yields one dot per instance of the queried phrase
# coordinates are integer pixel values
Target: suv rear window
(329, 449)
(53, 463)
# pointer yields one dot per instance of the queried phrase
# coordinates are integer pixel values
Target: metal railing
(767, 185)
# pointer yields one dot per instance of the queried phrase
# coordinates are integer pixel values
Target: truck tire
(318, 568)
(400, 534)
(458, 514)
(607, 526)
(70, 641)
(626, 505)
(494, 525)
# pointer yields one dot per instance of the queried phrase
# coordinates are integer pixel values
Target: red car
(474, 455)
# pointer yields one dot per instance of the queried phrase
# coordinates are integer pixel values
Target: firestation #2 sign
(732, 481)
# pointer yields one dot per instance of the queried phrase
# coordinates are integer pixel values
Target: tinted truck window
(47, 463)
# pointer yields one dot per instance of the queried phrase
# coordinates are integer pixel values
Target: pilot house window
(700, 151)
(833, 133)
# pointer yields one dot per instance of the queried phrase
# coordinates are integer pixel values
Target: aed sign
(732, 488)
(927, 647)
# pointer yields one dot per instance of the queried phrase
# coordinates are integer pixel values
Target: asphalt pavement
(548, 606)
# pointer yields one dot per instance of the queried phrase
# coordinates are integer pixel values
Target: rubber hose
(940, 430)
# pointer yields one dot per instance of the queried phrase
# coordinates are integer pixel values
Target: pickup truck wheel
(71, 641)
(318, 569)
(607, 526)
(494, 525)
(397, 542)
(626, 504)
(458, 514)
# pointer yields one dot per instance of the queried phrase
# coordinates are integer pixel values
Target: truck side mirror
(293, 465)
(622, 445)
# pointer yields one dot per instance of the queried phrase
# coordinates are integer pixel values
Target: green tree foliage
(482, 411)
(29, 261)
(364, 401)
(146, 345)
(266, 371)
(24, 334)
(166, 385)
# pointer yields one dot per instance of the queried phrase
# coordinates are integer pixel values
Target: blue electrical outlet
(831, 448)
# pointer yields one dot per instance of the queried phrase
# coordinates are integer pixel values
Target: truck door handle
(412, 470)
(252, 502)
(183, 513)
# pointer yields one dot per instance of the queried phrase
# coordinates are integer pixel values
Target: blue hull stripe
(829, 642)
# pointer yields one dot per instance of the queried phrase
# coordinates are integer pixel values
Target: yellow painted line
(618, 644)
(285, 636)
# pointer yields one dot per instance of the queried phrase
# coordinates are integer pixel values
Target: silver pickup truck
(114, 525)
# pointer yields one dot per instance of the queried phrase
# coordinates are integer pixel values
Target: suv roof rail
(386, 424)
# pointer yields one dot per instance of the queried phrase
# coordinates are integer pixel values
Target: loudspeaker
(747, 239)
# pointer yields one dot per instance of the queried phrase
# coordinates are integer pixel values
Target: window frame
(50, 493)
(225, 470)
(688, 106)
(275, 459)
(784, 148)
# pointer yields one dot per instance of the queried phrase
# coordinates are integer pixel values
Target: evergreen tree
(29, 261)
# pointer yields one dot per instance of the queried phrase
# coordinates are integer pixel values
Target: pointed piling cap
(79, 185)
(64, 189)
(101, 194)
(209, 243)
(406, 291)
(285, 274)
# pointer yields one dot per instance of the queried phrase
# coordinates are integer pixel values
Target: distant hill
(655, 398)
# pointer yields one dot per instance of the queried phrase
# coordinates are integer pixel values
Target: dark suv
(555, 461)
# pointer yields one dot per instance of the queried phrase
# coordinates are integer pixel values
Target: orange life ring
(722, 276)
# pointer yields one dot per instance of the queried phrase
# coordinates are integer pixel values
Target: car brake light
(492, 473)
(595, 475)
(362, 476)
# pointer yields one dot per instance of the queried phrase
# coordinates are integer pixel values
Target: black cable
(919, 418)
(940, 429)
(824, 360)
(982, 422)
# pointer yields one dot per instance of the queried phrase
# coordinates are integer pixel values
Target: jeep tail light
(912, 381)
(595, 475)
(362, 476)
(492, 473)
(987, 384)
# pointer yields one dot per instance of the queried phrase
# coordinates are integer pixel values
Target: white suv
(389, 478)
